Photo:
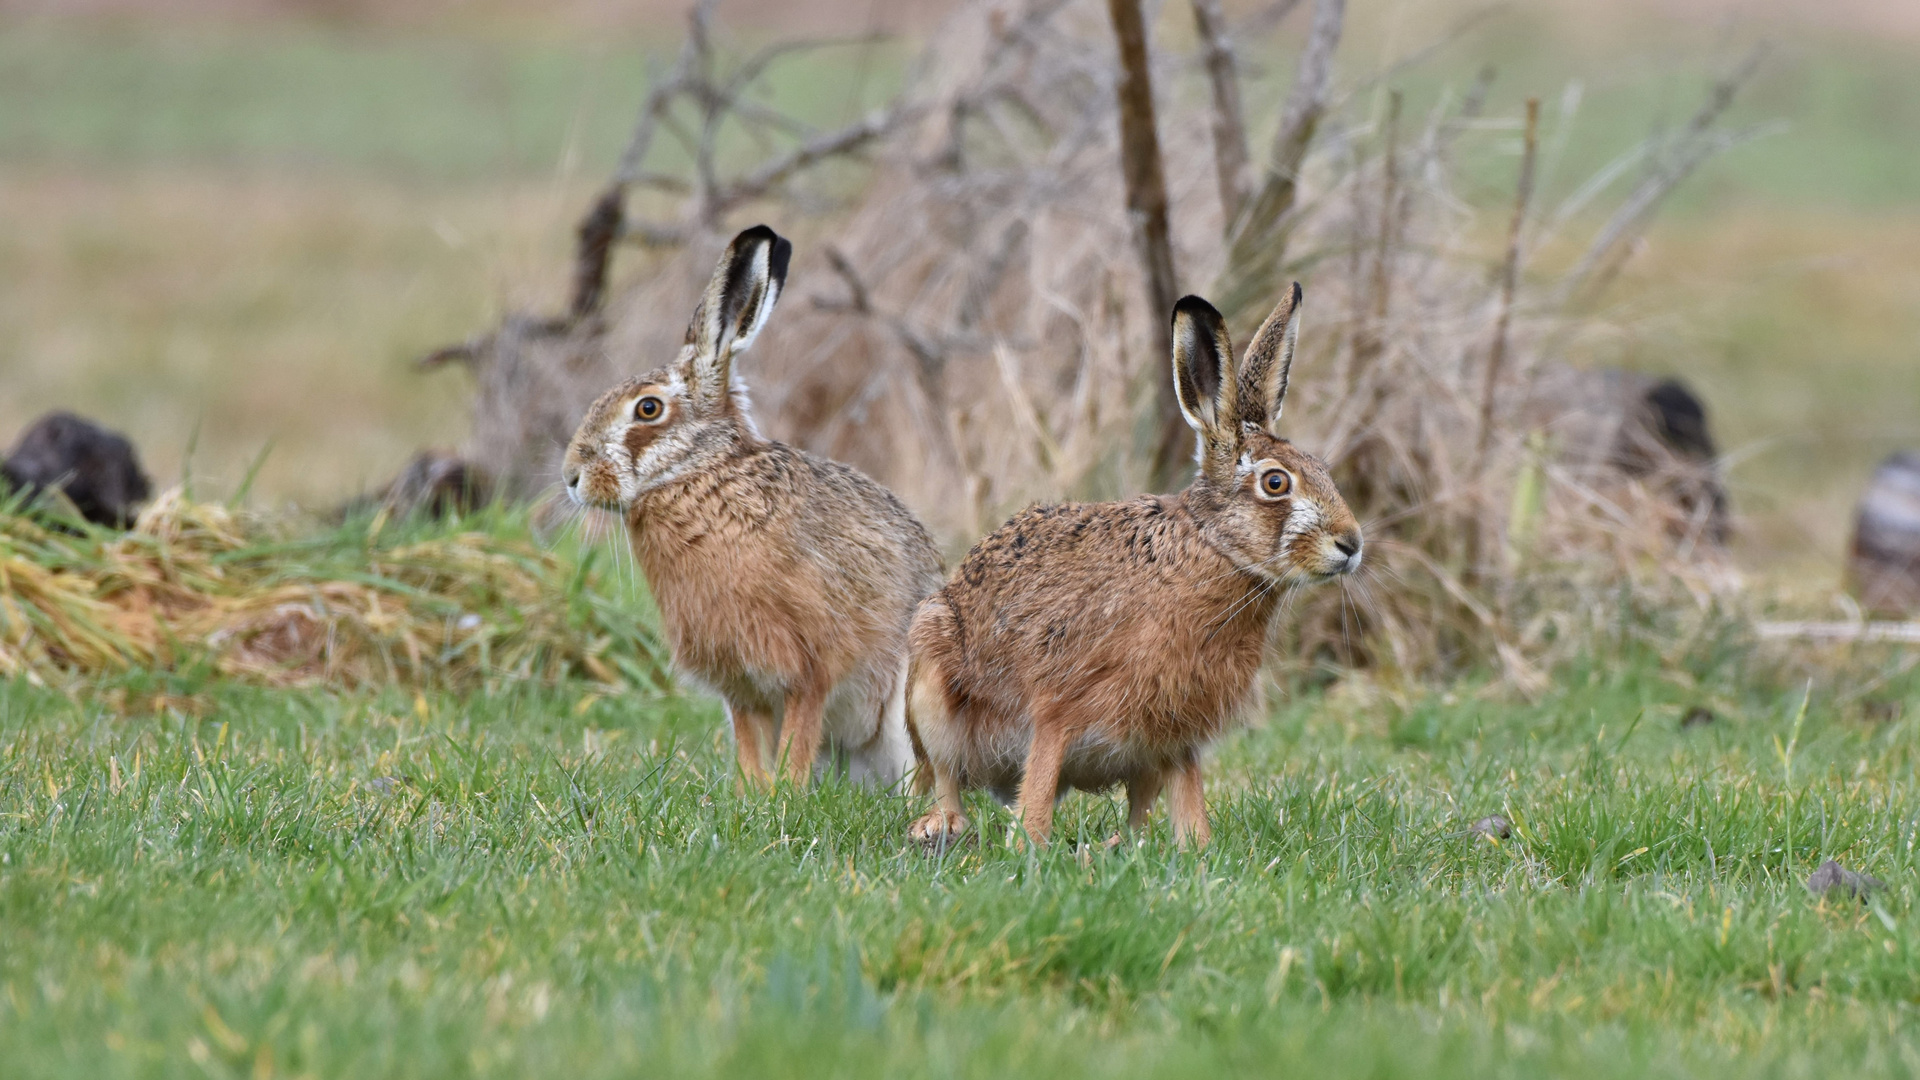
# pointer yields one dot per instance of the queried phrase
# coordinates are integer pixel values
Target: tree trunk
(1147, 208)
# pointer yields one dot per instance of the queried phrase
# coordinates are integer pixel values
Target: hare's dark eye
(1275, 483)
(649, 408)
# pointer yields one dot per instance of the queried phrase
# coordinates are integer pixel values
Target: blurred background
(232, 226)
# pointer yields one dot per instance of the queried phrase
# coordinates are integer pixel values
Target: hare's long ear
(744, 288)
(1263, 374)
(1203, 382)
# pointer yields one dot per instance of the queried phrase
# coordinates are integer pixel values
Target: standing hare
(1093, 644)
(786, 582)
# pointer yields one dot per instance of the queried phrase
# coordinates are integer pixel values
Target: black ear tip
(759, 234)
(781, 255)
(1297, 294)
(1193, 307)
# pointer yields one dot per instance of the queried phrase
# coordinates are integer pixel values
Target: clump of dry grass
(197, 584)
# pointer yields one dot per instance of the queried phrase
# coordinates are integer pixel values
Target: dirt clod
(1698, 716)
(96, 469)
(1836, 881)
(1493, 827)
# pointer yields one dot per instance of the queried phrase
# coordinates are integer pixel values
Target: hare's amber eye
(1275, 483)
(649, 408)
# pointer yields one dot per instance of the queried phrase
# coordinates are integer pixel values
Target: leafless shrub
(975, 332)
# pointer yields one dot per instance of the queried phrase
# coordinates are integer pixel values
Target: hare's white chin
(1338, 557)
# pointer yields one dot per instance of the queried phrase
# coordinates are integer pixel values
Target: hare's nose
(1349, 544)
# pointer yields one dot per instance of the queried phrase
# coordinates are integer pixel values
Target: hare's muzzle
(1344, 558)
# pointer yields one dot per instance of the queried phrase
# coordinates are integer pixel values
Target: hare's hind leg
(1187, 803)
(801, 723)
(936, 736)
(753, 734)
(1143, 790)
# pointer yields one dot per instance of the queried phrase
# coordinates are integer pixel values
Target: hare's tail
(886, 757)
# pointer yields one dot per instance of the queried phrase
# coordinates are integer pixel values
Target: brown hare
(786, 582)
(1094, 644)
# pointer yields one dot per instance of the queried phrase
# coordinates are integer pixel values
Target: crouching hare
(786, 582)
(1088, 645)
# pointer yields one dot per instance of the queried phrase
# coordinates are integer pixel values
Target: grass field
(548, 882)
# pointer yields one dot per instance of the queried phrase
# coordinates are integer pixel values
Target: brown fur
(785, 581)
(1088, 645)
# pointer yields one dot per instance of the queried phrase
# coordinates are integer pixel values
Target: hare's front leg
(752, 745)
(800, 727)
(1142, 791)
(1187, 803)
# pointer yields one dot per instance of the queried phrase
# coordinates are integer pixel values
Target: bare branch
(1146, 184)
(848, 140)
(860, 301)
(1229, 119)
(661, 94)
(1308, 98)
(1846, 632)
(597, 233)
(756, 65)
(1509, 280)
(982, 286)
(1690, 150)
(1264, 20)
(1371, 324)
(1459, 29)
(1259, 237)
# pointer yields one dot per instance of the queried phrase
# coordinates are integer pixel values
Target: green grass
(549, 882)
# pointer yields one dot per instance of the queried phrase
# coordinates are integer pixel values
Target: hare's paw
(939, 829)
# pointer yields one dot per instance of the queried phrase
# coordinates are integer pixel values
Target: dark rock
(96, 469)
(1698, 716)
(1834, 880)
(1669, 440)
(438, 483)
(1609, 421)
(1679, 420)
(387, 785)
(1493, 827)
(1883, 566)
(1880, 710)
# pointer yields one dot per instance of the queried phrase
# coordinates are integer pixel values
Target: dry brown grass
(197, 585)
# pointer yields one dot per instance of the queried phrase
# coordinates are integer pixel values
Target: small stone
(386, 785)
(439, 484)
(1834, 880)
(1493, 827)
(1880, 711)
(1698, 716)
(96, 469)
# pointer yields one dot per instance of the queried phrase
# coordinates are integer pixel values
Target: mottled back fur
(1089, 645)
(785, 581)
